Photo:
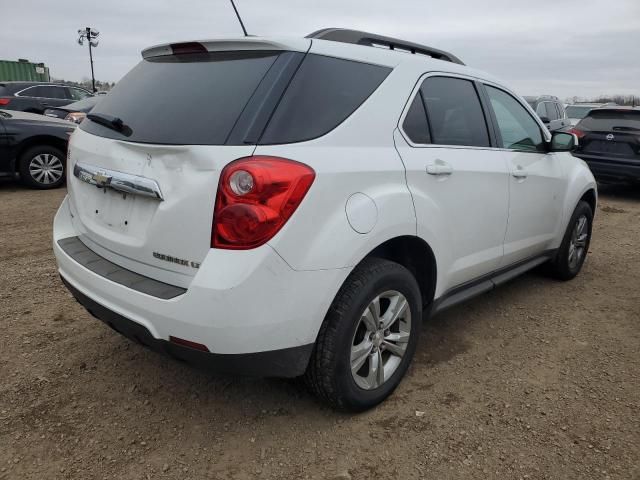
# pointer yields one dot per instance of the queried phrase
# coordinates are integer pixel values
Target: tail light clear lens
(75, 117)
(256, 196)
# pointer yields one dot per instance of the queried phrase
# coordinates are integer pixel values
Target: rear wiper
(109, 121)
(628, 129)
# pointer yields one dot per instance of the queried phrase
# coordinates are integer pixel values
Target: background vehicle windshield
(574, 111)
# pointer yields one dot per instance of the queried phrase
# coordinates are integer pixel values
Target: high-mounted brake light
(5, 101)
(256, 196)
(187, 47)
(577, 133)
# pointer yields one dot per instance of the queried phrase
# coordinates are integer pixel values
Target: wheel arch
(38, 141)
(591, 198)
(417, 256)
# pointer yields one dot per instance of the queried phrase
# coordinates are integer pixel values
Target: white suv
(288, 207)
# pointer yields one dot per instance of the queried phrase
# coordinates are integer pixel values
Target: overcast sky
(558, 47)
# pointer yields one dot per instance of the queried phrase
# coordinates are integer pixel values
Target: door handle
(439, 168)
(519, 173)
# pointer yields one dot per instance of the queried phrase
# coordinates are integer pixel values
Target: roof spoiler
(223, 44)
(357, 37)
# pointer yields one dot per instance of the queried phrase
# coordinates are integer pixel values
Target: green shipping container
(24, 71)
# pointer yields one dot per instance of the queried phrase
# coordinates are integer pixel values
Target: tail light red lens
(5, 101)
(188, 343)
(256, 196)
(187, 47)
(577, 133)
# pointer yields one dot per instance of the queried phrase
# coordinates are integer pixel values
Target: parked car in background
(550, 110)
(609, 139)
(578, 111)
(74, 112)
(36, 97)
(33, 147)
(321, 197)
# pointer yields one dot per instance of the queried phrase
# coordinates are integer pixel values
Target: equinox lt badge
(179, 261)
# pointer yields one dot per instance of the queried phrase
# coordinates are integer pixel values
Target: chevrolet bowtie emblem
(101, 179)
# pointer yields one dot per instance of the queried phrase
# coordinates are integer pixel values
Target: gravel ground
(538, 379)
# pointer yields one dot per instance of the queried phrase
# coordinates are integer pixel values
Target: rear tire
(343, 369)
(42, 167)
(575, 244)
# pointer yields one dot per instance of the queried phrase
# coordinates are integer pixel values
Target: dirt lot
(538, 379)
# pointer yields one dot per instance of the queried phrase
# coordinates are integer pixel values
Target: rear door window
(44, 91)
(188, 99)
(415, 122)
(454, 112)
(78, 93)
(518, 130)
(323, 93)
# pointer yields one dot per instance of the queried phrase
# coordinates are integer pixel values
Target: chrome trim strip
(120, 181)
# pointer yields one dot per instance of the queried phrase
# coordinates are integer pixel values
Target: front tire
(42, 167)
(368, 337)
(575, 244)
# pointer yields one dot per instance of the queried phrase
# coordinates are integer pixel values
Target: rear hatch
(610, 134)
(144, 166)
(146, 161)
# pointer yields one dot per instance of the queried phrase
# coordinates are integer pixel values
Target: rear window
(578, 112)
(608, 120)
(323, 93)
(205, 99)
(183, 99)
(83, 105)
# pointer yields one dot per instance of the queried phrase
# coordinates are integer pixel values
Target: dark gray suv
(550, 110)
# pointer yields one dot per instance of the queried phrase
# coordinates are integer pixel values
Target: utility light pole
(91, 36)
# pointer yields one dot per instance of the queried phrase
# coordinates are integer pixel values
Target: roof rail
(372, 40)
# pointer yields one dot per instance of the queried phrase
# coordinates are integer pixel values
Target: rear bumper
(244, 306)
(612, 169)
(289, 362)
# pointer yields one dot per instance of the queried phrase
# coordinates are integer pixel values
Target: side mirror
(545, 120)
(563, 142)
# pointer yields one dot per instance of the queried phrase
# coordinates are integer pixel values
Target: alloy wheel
(46, 168)
(578, 243)
(380, 340)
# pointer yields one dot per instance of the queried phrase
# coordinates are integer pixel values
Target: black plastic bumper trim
(288, 362)
(90, 260)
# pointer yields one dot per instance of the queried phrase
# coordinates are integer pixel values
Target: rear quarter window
(322, 94)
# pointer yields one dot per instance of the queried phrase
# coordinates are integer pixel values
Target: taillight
(75, 117)
(5, 101)
(187, 47)
(256, 196)
(576, 132)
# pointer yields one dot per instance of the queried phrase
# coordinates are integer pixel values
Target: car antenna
(239, 18)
